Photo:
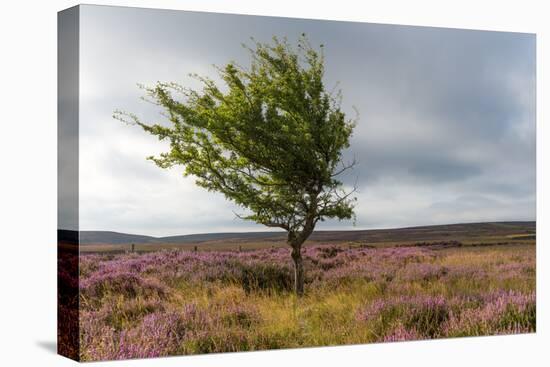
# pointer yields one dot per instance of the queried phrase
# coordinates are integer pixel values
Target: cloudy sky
(446, 132)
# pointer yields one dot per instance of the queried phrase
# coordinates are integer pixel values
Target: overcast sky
(446, 132)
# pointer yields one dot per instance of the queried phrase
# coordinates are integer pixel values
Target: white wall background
(28, 182)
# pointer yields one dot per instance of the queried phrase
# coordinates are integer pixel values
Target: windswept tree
(271, 140)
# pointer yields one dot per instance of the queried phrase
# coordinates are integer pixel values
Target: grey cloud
(446, 129)
(441, 170)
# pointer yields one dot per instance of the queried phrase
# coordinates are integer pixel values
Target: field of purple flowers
(174, 302)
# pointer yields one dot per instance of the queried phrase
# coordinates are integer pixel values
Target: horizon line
(282, 232)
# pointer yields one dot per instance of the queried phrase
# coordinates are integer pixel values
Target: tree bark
(298, 270)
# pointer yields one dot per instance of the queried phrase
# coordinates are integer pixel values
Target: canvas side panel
(67, 183)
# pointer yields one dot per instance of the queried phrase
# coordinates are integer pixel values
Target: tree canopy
(270, 138)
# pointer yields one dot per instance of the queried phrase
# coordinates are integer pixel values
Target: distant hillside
(424, 233)
(106, 237)
(113, 238)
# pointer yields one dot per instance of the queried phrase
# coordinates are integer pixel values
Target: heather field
(173, 302)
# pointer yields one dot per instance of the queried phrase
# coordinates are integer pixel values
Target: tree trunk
(298, 270)
(295, 240)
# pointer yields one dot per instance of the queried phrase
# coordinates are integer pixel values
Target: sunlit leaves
(271, 139)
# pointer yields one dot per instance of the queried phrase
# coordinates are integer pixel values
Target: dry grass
(186, 303)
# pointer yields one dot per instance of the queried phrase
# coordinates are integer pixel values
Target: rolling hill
(463, 231)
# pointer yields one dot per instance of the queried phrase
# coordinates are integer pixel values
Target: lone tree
(271, 141)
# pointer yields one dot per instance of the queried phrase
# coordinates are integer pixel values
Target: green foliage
(270, 140)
